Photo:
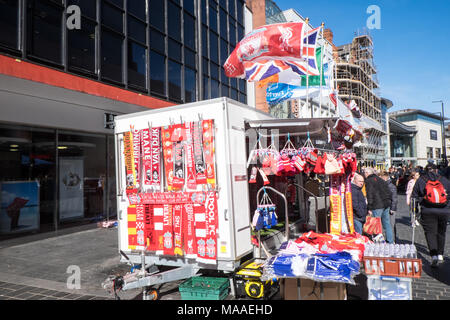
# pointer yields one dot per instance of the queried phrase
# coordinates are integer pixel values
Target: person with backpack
(394, 200)
(379, 200)
(432, 191)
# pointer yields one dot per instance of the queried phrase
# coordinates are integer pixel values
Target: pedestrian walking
(359, 203)
(394, 200)
(379, 201)
(432, 192)
(412, 181)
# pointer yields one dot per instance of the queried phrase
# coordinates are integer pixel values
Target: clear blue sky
(411, 50)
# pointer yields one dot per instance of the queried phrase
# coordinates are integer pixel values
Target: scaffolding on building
(356, 79)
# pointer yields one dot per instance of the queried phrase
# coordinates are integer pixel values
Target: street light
(444, 152)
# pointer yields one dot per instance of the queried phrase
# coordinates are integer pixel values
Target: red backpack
(435, 194)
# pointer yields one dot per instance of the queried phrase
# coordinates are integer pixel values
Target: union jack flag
(307, 65)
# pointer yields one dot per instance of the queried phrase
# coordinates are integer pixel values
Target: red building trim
(29, 71)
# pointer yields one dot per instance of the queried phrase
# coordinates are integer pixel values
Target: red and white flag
(276, 41)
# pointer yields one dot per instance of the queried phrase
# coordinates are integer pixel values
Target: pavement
(43, 267)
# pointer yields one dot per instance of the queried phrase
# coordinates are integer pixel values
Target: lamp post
(444, 151)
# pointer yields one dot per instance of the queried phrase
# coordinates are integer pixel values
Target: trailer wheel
(151, 294)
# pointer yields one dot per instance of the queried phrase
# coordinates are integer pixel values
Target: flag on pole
(281, 41)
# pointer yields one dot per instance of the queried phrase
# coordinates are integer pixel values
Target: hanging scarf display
(137, 155)
(178, 229)
(191, 182)
(200, 231)
(208, 146)
(146, 159)
(190, 247)
(156, 159)
(131, 217)
(130, 169)
(158, 229)
(140, 227)
(178, 166)
(200, 166)
(149, 228)
(335, 204)
(168, 229)
(166, 133)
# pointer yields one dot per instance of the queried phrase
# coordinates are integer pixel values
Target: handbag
(373, 225)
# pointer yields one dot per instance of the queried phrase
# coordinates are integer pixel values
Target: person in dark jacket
(379, 201)
(433, 219)
(394, 200)
(359, 203)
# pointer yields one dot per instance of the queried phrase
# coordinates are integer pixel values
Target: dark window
(240, 11)
(214, 89)
(203, 8)
(112, 17)
(189, 58)
(157, 73)
(240, 31)
(111, 48)
(174, 21)
(88, 8)
(214, 69)
(205, 87)
(137, 55)
(213, 47)
(223, 77)
(189, 31)
(118, 3)
(136, 7)
(242, 98)
(9, 17)
(157, 41)
(174, 80)
(204, 41)
(44, 36)
(81, 47)
(223, 51)
(190, 85)
(234, 94)
(233, 83)
(212, 15)
(225, 91)
(174, 50)
(189, 6)
(223, 4)
(156, 14)
(232, 8)
(242, 86)
(232, 33)
(205, 66)
(137, 30)
(223, 24)
(433, 135)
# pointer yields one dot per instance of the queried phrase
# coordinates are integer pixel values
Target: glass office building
(58, 82)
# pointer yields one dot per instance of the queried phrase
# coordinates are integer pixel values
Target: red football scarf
(335, 204)
(129, 160)
(140, 227)
(166, 133)
(158, 229)
(137, 154)
(178, 229)
(155, 168)
(131, 217)
(206, 230)
(191, 182)
(208, 145)
(149, 228)
(190, 247)
(146, 159)
(200, 168)
(178, 166)
(168, 230)
(348, 203)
